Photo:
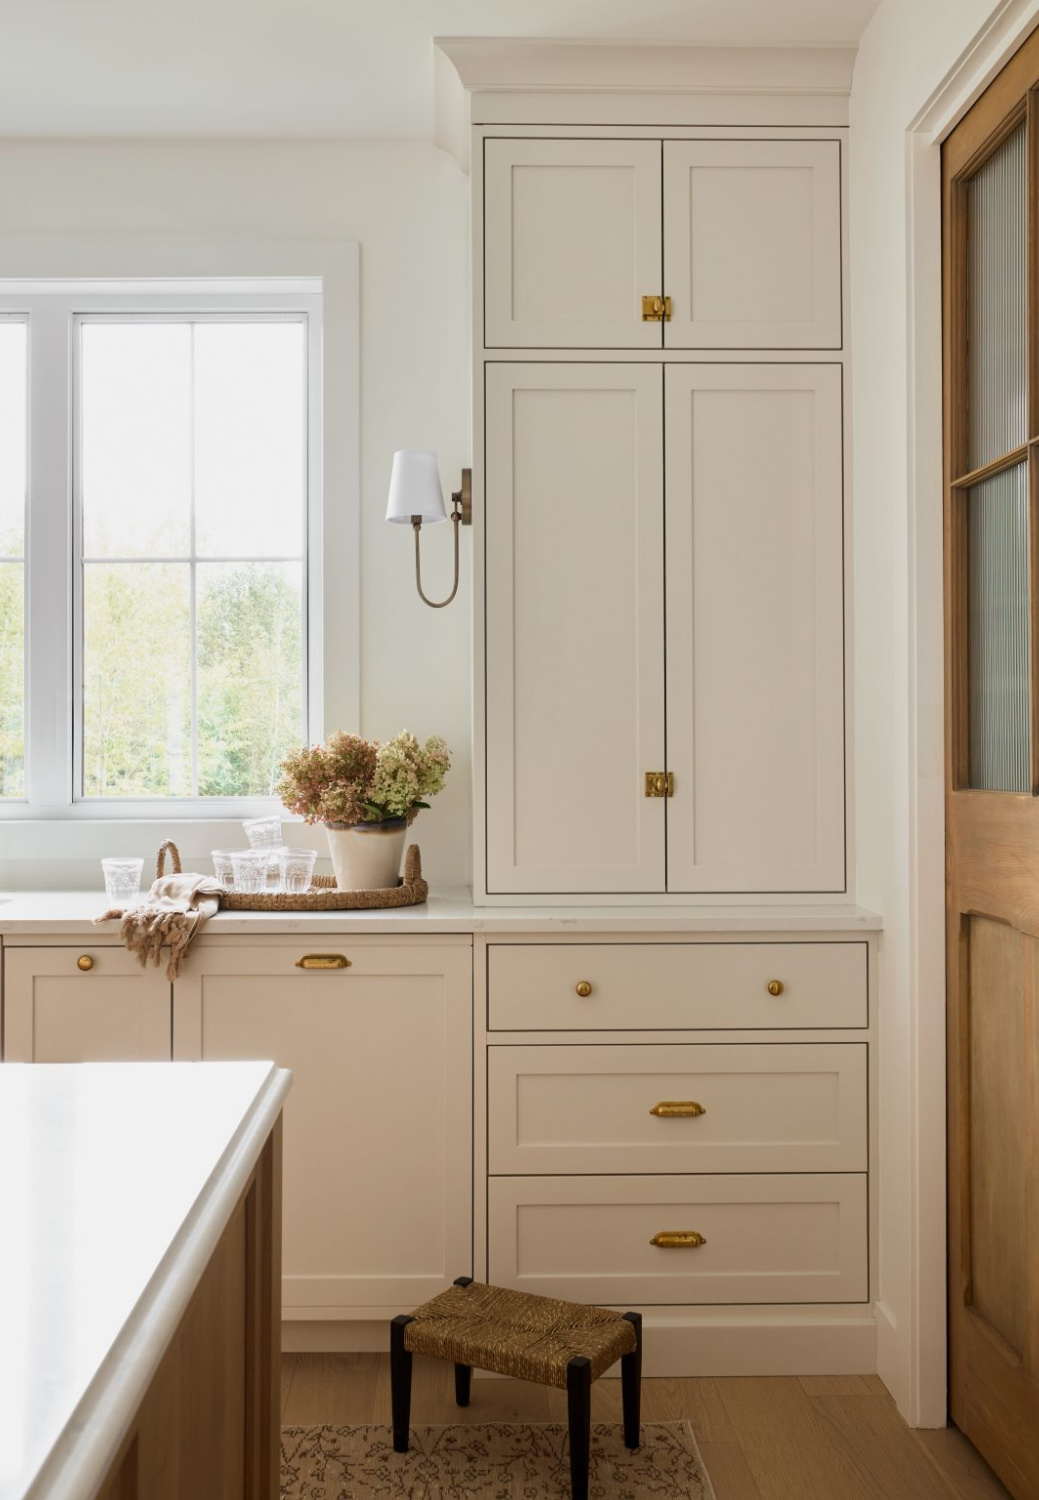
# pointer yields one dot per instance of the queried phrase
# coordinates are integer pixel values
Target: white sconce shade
(415, 488)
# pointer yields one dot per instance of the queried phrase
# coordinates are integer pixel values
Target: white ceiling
(318, 67)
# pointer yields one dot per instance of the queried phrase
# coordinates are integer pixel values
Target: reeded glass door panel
(997, 327)
(997, 533)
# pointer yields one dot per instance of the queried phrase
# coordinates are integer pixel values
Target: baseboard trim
(691, 1344)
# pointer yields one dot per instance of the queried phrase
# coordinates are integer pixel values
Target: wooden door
(109, 1010)
(755, 628)
(575, 627)
(571, 243)
(990, 212)
(377, 1165)
(752, 244)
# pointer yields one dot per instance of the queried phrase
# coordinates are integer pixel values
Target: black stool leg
(631, 1383)
(579, 1404)
(400, 1383)
(463, 1373)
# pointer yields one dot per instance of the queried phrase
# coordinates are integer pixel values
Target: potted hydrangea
(366, 794)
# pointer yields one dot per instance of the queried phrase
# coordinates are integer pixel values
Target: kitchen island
(140, 1280)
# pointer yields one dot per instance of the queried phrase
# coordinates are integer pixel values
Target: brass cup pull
(677, 1109)
(85, 962)
(678, 1239)
(322, 961)
(583, 988)
(775, 986)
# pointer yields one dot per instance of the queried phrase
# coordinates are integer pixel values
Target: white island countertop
(116, 1182)
(39, 913)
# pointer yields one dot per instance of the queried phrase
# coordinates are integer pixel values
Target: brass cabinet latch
(656, 309)
(660, 784)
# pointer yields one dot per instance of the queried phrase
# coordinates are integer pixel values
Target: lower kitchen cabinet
(83, 1004)
(378, 1123)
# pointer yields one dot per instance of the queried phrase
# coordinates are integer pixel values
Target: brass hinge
(656, 309)
(660, 784)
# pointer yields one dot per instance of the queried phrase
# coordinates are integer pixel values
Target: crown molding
(476, 76)
(534, 65)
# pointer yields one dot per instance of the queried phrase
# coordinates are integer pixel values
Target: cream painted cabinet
(752, 244)
(83, 1004)
(378, 1125)
(575, 613)
(662, 599)
(572, 243)
(755, 637)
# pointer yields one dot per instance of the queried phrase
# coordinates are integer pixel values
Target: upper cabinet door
(575, 614)
(752, 244)
(755, 628)
(571, 243)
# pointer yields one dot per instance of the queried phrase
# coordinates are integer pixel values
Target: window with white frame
(157, 521)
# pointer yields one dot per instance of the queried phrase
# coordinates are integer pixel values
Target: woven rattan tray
(323, 894)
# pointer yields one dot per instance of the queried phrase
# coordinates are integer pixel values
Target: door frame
(919, 1381)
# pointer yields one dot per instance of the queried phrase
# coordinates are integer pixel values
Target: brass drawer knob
(678, 1239)
(322, 961)
(84, 962)
(677, 1109)
(775, 986)
(583, 988)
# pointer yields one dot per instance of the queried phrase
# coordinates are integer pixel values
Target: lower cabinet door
(681, 1239)
(84, 1004)
(377, 1146)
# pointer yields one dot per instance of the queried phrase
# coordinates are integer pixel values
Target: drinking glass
(297, 868)
(223, 870)
(274, 867)
(250, 870)
(122, 878)
(263, 833)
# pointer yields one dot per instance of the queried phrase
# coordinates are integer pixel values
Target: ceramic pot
(367, 856)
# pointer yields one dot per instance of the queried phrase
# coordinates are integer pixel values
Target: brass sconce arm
(461, 515)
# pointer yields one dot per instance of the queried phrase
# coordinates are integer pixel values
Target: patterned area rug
(496, 1461)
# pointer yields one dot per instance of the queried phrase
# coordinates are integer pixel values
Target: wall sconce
(416, 496)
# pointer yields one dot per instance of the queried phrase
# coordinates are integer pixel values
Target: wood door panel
(990, 248)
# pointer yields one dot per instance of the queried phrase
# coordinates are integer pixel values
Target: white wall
(908, 48)
(407, 206)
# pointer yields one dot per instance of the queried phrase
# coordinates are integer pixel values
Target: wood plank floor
(817, 1438)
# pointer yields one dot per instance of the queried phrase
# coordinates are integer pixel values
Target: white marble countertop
(39, 913)
(116, 1182)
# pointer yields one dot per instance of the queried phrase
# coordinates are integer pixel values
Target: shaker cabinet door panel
(109, 1010)
(571, 243)
(377, 1146)
(755, 636)
(752, 244)
(575, 611)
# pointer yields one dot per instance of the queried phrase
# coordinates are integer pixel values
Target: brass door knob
(775, 986)
(583, 988)
(84, 962)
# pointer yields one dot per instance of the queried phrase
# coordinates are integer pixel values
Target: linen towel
(172, 913)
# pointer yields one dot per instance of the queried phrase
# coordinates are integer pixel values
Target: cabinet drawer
(779, 1108)
(672, 986)
(766, 1238)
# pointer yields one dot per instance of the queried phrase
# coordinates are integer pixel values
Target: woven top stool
(563, 1344)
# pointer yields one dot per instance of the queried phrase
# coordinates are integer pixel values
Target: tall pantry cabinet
(660, 371)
